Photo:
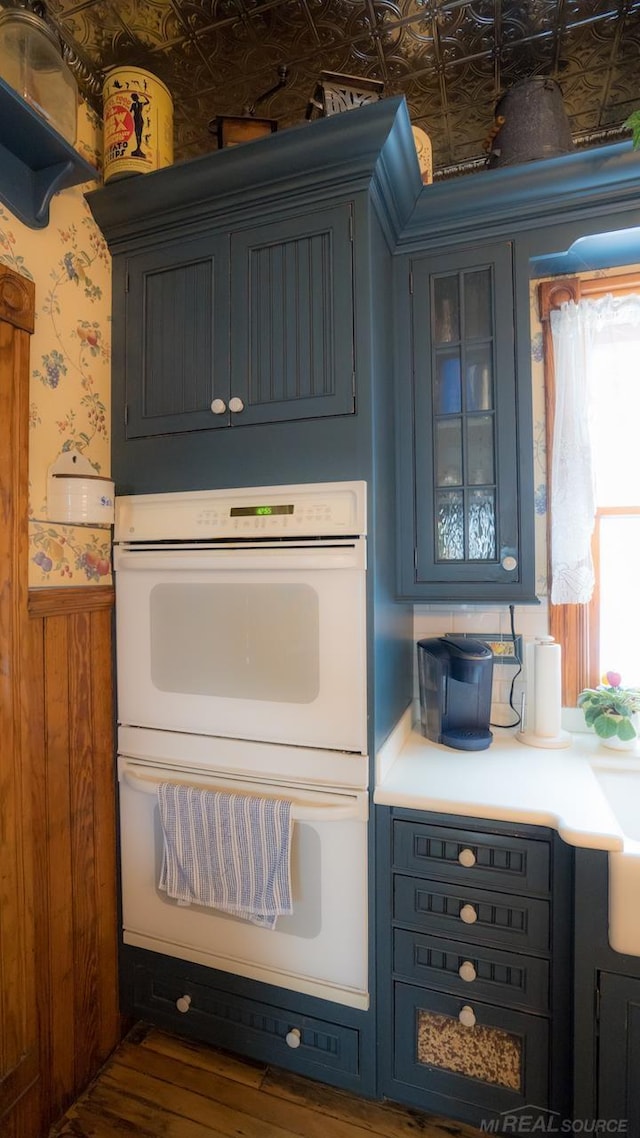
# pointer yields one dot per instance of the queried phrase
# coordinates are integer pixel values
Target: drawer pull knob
(467, 858)
(468, 914)
(467, 1016)
(236, 404)
(183, 1003)
(218, 406)
(467, 972)
(292, 1038)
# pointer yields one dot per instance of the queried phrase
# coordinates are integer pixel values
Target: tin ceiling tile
(451, 60)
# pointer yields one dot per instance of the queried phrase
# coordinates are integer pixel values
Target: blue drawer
(497, 1061)
(515, 865)
(251, 1027)
(490, 974)
(518, 923)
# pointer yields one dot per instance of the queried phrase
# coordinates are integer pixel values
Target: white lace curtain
(590, 341)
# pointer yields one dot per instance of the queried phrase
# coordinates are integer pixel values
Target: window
(604, 633)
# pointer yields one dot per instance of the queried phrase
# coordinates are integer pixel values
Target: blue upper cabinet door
(177, 336)
(462, 492)
(292, 319)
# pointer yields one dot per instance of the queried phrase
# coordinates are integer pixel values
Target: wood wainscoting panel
(74, 803)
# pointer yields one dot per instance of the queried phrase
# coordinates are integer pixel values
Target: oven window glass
(237, 641)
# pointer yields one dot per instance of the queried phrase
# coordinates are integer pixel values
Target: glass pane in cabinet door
(450, 525)
(482, 525)
(447, 395)
(446, 310)
(489, 1054)
(449, 452)
(480, 450)
(479, 378)
(478, 315)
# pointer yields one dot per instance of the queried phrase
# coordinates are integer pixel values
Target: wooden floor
(158, 1085)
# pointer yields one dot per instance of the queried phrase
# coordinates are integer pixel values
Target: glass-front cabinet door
(464, 523)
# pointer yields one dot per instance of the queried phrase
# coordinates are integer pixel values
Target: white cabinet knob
(509, 563)
(292, 1038)
(468, 914)
(467, 1016)
(467, 858)
(218, 406)
(183, 1003)
(236, 404)
(467, 972)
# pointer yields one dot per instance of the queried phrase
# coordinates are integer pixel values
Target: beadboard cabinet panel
(234, 329)
(618, 1092)
(294, 285)
(176, 336)
(606, 1006)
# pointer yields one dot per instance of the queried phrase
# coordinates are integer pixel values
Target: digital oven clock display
(259, 511)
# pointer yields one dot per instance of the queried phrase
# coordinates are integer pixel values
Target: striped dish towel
(227, 851)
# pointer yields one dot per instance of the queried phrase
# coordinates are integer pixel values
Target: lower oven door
(320, 949)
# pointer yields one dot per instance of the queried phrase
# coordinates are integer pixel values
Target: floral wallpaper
(70, 368)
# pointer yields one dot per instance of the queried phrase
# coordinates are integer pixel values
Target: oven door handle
(299, 813)
(346, 555)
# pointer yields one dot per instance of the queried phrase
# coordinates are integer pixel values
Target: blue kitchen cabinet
(312, 1037)
(294, 284)
(607, 1009)
(250, 288)
(175, 334)
(619, 1047)
(464, 263)
(465, 490)
(474, 966)
(232, 329)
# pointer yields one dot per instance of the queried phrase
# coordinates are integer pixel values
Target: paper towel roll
(547, 688)
(529, 723)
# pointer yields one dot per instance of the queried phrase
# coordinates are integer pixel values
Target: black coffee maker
(455, 677)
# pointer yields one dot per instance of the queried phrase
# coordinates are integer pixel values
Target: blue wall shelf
(35, 161)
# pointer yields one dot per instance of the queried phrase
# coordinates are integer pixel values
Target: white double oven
(241, 665)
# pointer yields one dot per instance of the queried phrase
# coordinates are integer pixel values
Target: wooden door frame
(19, 1089)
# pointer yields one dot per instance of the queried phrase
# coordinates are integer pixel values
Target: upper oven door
(264, 643)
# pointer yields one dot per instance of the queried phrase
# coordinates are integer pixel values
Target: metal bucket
(138, 123)
(534, 124)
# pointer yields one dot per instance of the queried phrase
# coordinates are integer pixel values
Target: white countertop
(509, 782)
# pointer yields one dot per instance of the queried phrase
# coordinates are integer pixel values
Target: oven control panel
(268, 518)
(314, 510)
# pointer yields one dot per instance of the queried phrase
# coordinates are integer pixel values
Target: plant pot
(617, 744)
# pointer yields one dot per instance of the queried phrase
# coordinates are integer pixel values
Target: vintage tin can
(138, 123)
(532, 123)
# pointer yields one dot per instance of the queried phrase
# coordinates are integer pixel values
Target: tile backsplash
(530, 621)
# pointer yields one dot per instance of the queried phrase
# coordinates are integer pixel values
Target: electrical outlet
(505, 649)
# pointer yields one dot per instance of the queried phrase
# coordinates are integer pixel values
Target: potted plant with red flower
(612, 711)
